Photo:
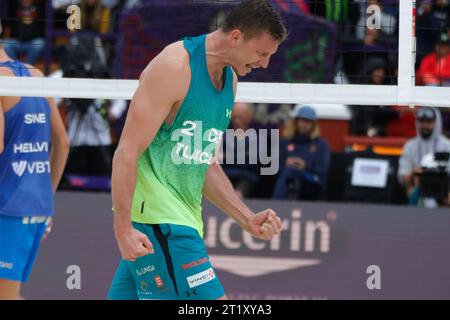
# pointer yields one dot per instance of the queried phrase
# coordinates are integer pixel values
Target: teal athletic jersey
(171, 171)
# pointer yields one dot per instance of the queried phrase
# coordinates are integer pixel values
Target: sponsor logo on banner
(201, 278)
(301, 243)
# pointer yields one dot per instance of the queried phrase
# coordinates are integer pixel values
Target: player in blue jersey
(33, 152)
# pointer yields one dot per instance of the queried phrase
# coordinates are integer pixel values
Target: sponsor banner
(325, 251)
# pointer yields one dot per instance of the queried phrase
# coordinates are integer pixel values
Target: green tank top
(171, 171)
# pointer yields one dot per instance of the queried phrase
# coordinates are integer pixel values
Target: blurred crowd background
(329, 42)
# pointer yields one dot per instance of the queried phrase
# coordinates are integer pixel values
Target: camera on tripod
(84, 58)
(434, 179)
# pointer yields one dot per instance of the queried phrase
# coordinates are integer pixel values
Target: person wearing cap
(429, 139)
(434, 69)
(304, 158)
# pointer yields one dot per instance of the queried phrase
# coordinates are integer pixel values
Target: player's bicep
(58, 131)
(150, 106)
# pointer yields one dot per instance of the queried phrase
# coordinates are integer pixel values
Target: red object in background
(300, 4)
(404, 125)
(432, 71)
(334, 131)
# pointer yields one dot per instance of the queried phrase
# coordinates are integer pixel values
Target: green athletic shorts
(179, 268)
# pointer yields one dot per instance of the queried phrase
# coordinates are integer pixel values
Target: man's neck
(216, 52)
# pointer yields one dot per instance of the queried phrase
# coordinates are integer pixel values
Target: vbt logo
(35, 118)
(37, 167)
(307, 237)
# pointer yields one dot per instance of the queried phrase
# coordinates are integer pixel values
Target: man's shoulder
(411, 143)
(173, 56)
(445, 141)
(6, 72)
(172, 60)
(34, 72)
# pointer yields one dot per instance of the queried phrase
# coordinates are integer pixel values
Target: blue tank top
(25, 181)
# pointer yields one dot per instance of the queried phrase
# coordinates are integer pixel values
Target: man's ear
(236, 36)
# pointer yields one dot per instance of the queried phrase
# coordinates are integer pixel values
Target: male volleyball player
(164, 161)
(33, 152)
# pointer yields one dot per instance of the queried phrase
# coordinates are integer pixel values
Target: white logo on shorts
(6, 265)
(34, 220)
(201, 278)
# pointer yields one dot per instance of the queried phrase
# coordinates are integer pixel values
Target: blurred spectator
(432, 20)
(373, 120)
(4, 9)
(428, 141)
(244, 176)
(376, 70)
(90, 140)
(95, 16)
(27, 30)
(446, 122)
(388, 25)
(63, 4)
(370, 43)
(87, 119)
(435, 67)
(304, 158)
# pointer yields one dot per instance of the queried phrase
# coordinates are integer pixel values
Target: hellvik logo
(310, 239)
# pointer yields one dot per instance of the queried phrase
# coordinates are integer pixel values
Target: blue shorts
(179, 269)
(20, 239)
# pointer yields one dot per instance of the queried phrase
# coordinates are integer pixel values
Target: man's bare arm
(220, 192)
(59, 138)
(163, 83)
(60, 145)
